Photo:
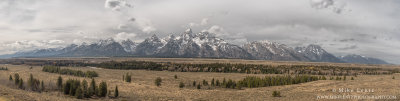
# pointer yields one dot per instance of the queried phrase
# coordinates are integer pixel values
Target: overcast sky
(364, 27)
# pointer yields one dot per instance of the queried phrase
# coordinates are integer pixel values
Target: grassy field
(142, 86)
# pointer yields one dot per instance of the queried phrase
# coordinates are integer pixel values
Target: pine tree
(102, 89)
(181, 85)
(352, 78)
(217, 83)
(128, 77)
(198, 86)
(16, 78)
(224, 82)
(93, 88)
(10, 78)
(79, 93)
(205, 83)
(59, 82)
(393, 77)
(42, 86)
(212, 82)
(116, 91)
(21, 84)
(344, 78)
(176, 77)
(194, 83)
(158, 81)
(85, 89)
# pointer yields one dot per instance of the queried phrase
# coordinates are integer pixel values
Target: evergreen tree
(42, 86)
(198, 86)
(217, 83)
(79, 93)
(128, 77)
(205, 83)
(158, 81)
(212, 82)
(224, 82)
(21, 84)
(85, 89)
(176, 77)
(352, 78)
(93, 88)
(393, 77)
(59, 82)
(181, 85)
(10, 78)
(16, 78)
(116, 91)
(194, 83)
(344, 78)
(102, 89)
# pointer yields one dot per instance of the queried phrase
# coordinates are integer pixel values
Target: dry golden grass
(143, 87)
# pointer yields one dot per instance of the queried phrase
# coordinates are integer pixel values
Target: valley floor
(143, 87)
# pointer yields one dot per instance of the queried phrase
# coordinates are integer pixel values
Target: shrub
(217, 83)
(276, 94)
(181, 85)
(194, 83)
(128, 77)
(176, 77)
(205, 83)
(158, 81)
(198, 86)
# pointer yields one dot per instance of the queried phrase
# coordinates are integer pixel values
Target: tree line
(244, 68)
(54, 69)
(254, 82)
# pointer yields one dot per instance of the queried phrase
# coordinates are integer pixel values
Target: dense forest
(54, 69)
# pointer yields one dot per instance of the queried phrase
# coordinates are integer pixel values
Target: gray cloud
(373, 24)
(349, 47)
(116, 5)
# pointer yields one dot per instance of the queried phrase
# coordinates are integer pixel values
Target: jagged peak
(106, 41)
(127, 41)
(153, 38)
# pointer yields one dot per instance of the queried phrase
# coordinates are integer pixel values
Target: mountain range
(196, 45)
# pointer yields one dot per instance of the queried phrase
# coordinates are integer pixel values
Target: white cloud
(204, 21)
(27, 45)
(123, 36)
(237, 38)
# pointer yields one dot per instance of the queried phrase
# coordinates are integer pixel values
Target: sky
(364, 27)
